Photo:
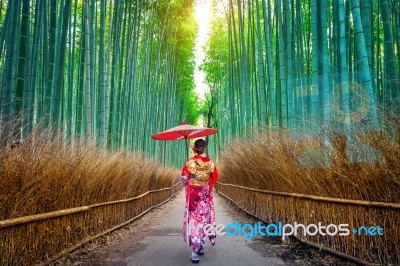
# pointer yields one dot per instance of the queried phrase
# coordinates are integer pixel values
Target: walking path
(157, 239)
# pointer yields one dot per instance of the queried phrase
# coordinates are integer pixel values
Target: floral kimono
(199, 175)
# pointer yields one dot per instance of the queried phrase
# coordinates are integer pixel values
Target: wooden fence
(274, 207)
(43, 238)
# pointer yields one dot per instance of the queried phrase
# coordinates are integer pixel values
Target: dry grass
(43, 175)
(270, 161)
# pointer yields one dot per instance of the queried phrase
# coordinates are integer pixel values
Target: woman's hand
(185, 179)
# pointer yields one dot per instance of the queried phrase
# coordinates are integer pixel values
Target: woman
(199, 175)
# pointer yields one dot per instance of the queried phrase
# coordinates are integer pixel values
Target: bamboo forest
(303, 97)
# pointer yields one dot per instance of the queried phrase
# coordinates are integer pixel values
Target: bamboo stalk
(318, 198)
(55, 214)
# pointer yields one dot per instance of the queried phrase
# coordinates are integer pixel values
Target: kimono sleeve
(185, 174)
(213, 178)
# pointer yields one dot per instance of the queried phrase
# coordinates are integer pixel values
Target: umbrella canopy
(184, 131)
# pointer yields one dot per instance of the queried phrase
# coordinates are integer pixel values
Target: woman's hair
(200, 143)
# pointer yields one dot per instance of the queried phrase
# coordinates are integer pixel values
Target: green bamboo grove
(312, 65)
(116, 71)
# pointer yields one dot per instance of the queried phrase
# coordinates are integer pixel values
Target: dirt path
(156, 239)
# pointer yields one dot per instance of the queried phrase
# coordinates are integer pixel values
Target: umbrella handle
(187, 148)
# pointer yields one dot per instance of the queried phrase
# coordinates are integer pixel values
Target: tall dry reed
(270, 161)
(274, 161)
(43, 174)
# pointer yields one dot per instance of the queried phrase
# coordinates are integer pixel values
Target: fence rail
(55, 214)
(42, 238)
(273, 207)
(318, 198)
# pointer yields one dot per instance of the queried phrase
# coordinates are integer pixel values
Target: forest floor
(156, 239)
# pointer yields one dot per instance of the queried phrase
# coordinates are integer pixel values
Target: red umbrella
(184, 131)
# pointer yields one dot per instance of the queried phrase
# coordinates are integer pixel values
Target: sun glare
(202, 15)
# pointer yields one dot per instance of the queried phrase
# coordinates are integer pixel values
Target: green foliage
(278, 64)
(217, 59)
(185, 26)
(121, 75)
